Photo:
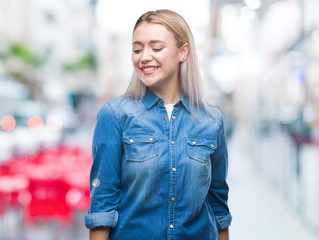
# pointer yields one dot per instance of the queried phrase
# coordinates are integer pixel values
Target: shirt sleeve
(105, 171)
(218, 191)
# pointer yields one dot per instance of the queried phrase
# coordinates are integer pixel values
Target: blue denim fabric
(153, 178)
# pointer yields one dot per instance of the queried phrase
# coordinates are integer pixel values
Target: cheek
(171, 58)
(170, 63)
(135, 61)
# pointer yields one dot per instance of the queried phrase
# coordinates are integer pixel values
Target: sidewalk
(259, 210)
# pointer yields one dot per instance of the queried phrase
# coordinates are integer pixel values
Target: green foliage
(23, 52)
(85, 62)
(2, 56)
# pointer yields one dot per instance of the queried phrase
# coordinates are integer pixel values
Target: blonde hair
(189, 75)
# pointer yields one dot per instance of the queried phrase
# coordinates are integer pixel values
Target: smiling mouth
(148, 70)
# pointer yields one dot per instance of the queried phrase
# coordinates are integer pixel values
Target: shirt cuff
(223, 222)
(105, 219)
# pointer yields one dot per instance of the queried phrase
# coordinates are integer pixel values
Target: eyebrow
(152, 42)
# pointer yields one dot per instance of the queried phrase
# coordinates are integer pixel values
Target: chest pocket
(139, 147)
(200, 148)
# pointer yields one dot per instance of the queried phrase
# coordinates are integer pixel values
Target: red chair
(48, 201)
(78, 196)
(58, 183)
(11, 188)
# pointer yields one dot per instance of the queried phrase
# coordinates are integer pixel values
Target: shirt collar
(184, 102)
(150, 99)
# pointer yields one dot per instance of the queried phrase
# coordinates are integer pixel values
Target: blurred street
(60, 61)
(259, 209)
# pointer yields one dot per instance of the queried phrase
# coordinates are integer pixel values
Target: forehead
(150, 32)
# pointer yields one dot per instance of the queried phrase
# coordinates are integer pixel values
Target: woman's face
(155, 55)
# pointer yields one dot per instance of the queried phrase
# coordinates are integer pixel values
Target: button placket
(173, 176)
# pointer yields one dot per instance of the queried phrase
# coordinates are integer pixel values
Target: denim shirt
(153, 178)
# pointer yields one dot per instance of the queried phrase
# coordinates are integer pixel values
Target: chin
(149, 82)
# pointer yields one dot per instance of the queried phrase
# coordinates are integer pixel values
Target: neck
(170, 94)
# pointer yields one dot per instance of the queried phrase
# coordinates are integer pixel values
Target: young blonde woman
(159, 152)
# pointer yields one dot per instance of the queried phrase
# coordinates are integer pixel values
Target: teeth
(149, 69)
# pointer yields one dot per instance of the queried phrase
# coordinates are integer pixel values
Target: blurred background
(61, 60)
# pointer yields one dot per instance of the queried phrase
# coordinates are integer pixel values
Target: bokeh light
(54, 123)
(8, 123)
(35, 123)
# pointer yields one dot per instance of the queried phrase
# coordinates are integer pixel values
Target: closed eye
(137, 50)
(157, 49)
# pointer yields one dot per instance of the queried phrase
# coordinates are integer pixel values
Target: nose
(146, 56)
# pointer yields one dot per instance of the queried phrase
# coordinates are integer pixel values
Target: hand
(223, 234)
(99, 233)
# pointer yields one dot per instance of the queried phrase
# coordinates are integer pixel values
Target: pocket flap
(202, 141)
(131, 138)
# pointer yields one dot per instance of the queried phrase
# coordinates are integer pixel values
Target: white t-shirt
(169, 109)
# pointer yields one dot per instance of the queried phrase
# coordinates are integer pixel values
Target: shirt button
(174, 169)
(171, 226)
(174, 117)
(172, 142)
(172, 199)
(164, 118)
(160, 101)
(131, 140)
(212, 145)
(194, 142)
(151, 139)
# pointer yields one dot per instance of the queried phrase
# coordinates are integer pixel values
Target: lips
(147, 70)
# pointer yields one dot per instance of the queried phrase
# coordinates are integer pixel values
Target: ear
(183, 52)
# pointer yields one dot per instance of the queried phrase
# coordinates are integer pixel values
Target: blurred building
(61, 32)
(47, 70)
(264, 57)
